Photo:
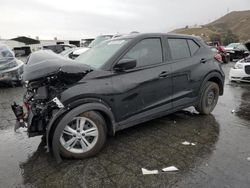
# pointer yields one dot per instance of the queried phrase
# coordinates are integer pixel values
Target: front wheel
(208, 98)
(83, 136)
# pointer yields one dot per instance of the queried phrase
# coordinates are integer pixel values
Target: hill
(238, 22)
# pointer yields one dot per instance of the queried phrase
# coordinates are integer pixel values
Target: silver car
(11, 69)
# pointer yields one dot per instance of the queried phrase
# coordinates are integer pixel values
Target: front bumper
(238, 75)
(20, 116)
(13, 74)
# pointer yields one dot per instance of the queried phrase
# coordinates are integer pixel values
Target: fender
(68, 113)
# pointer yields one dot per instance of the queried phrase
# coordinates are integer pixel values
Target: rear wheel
(208, 99)
(83, 136)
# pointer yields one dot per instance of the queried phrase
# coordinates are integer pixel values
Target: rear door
(149, 85)
(186, 66)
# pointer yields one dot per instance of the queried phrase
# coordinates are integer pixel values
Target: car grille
(247, 69)
(246, 78)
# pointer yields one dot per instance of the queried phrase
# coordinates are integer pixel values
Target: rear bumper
(238, 75)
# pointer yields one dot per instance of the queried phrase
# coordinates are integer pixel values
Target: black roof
(26, 40)
(139, 35)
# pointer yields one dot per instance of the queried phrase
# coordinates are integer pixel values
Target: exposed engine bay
(44, 81)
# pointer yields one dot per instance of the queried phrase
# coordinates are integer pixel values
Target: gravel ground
(218, 158)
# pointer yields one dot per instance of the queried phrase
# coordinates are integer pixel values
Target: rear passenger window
(193, 46)
(179, 48)
(146, 52)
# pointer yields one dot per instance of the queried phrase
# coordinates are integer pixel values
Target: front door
(146, 87)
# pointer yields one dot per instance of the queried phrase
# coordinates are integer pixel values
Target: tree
(229, 37)
(214, 37)
(224, 37)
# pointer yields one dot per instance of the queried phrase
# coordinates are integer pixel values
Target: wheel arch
(215, 77)
(219, 82)
(62, 117)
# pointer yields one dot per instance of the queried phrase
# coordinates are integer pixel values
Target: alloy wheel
(79, 135)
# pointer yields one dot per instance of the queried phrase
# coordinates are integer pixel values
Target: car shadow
(152, 145)
(243, 111)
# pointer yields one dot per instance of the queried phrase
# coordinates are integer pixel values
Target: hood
(228, 48)
(44, 63)
(7, 63)
(80, 51)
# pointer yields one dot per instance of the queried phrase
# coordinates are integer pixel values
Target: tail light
(218, 58)
(223, 49)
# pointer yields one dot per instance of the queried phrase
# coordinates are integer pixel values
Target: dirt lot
(219, 158)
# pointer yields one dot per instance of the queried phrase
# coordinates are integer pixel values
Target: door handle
(164, 74)
(203, 60)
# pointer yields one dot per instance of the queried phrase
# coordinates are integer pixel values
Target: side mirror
(125, 64)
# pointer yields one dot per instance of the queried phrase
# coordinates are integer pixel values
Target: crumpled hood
(44, 63)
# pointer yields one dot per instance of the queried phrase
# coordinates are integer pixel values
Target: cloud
(82, 18)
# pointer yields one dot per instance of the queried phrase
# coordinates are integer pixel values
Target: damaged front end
(46, 75)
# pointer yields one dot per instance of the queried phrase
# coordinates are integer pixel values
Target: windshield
(98, 55)
(241, 47)
(66, 52)
(98, 40)
(233, 45)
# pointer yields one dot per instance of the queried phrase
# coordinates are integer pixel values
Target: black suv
(114, 85)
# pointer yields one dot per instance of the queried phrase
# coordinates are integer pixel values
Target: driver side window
(146, 52)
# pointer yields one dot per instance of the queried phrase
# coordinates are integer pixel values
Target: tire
(79, 149)
(208, 98)
(231, 58)
(226, 59)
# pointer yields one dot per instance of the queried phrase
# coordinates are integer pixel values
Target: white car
(241, 71)
(11, 69)
(73, 53)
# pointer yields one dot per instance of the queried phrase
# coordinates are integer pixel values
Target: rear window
(179, 48)
(193, 46)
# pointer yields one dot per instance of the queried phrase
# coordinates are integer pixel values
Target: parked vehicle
(73, 53)
(221, 57)
(58, 48)
(114, 85)
(224, 54)
(218, 48)
(237, 51)
(99, 39)
(11, 69)
(23, 51)
(241, 71)
(102, 38)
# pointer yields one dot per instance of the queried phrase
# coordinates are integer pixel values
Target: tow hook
(18, 111)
